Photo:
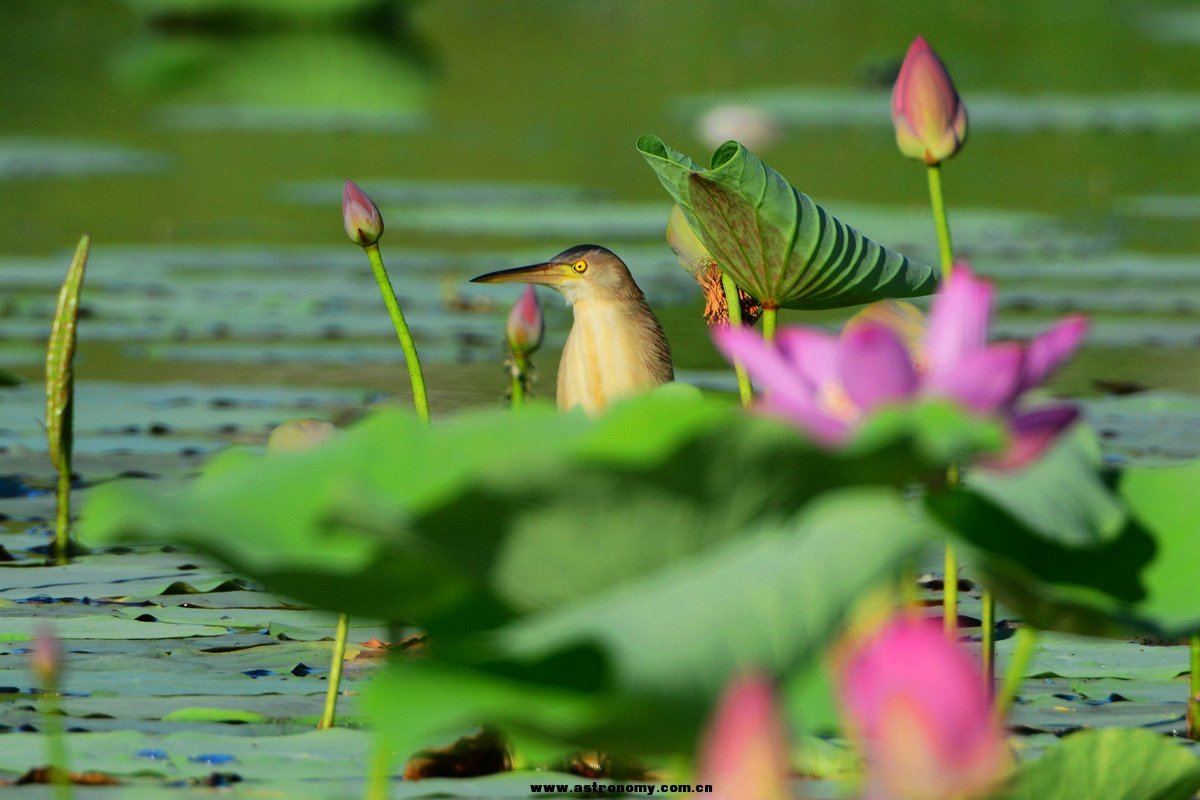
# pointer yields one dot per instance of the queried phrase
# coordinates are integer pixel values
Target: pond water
(207, 165)
(222, 296)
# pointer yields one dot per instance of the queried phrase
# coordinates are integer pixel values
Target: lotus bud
(298, 435)
(919, 709)
(46, 658)
(930, 119)
(525, 324)
(685, 244)
(360, 215)
(695, 258)
(745, 753)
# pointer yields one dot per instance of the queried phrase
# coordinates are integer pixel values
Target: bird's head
(584, 271)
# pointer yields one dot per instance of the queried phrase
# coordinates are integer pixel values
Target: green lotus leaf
(774, 241)
(1112, 764)
(1068, 566)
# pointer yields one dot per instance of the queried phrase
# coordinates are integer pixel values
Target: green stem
(769, 317)
(988, 656)
(56, 746)
(950, 592)
(734, 304)
(335, 672)
(1023, 646)
(378, 774)
(945, 249)
(1193, 707)
(420, 399)
(520, 365)
(62, 520)
(950, 572)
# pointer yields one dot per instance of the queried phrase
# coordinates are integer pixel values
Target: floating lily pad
(815, 107)
(28, 158)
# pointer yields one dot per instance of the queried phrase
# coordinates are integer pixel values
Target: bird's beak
(548, 274)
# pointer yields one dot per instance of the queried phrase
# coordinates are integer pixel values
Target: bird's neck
(612, 351)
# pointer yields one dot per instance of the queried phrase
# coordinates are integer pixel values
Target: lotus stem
(945, 248)
(1193, 706)
(769, 318)
(47, 664)
(56, 746)
(734, 304)
(340, 635)
(950, 572)
(950, 592)
(420, 399)
(61, 551)
(520, 367)
(988, 640)
(421, 403)
(378, 772)
(1024, 643)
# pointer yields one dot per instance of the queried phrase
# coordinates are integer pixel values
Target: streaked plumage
(616, 346)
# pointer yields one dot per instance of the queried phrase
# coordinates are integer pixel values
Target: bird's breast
(610, 353)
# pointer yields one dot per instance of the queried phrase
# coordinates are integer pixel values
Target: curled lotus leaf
(774, 241)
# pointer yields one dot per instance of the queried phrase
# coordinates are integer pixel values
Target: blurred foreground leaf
(1138, 577)
(637, 668)
(1112, 764)
(582, 581)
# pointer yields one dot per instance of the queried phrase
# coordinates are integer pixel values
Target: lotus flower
(360, 215)
(929, 117)
(827, 384)
(919, 710)
(744, 755)
(525, 324)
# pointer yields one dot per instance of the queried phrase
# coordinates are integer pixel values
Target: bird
(616, 346)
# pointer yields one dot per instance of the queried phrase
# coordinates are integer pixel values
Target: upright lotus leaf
(774, 241)
(60, 391)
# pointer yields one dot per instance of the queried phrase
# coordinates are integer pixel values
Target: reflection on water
(242, 15)
(280, 81)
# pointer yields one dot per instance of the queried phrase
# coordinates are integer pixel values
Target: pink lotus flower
(930, 120)
(918, 708)
(525, 324)
(828, 384)
(360, 215)
(744, 754)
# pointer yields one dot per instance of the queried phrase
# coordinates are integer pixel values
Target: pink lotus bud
(683, 241)
(917, 705)
(930, 120)
(744, 754)
(46, 658)
(525, 324)
(360, 215)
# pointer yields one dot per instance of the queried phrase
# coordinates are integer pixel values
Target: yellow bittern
(616, 346)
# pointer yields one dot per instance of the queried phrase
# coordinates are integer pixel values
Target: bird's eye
(580, 267)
